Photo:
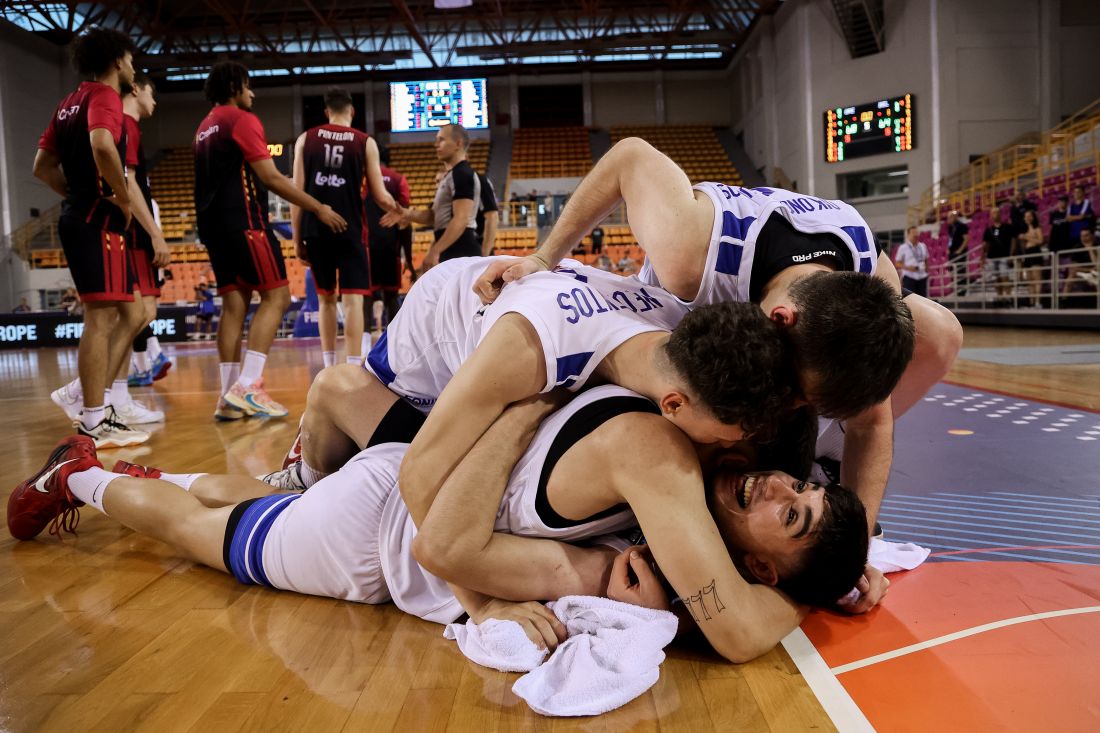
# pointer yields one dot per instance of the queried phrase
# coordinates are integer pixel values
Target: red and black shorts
(339, 261)
(97, 258)
(385, 259)
(146, 277)
(250, 259)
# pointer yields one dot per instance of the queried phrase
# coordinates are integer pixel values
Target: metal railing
(1055, 281)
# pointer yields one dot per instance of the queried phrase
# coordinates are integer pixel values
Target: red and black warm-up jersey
(385, 238)
(135, 159)
(229, 196)
(92, 106)
(335, 164)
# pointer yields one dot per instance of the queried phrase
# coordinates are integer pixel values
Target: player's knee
(278, 297)
(335, 385)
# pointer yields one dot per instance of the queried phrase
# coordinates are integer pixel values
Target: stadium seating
(172, 181)
(695, 148)
(550, 152)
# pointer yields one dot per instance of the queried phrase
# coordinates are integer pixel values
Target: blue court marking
(1015, 474)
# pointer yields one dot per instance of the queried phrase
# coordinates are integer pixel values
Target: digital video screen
(424, 106)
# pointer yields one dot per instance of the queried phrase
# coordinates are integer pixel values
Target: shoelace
(66, 521)
(113, 423)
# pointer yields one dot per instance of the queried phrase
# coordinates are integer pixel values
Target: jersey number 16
(334, 156)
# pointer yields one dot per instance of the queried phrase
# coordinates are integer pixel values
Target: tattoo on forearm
(705, 605)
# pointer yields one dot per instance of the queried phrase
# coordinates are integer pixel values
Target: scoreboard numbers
(885, 126)
(425, 106)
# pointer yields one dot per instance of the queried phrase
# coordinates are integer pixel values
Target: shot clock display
(885, 126)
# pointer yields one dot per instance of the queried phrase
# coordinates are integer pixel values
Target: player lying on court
(350, 536)
(791, 254)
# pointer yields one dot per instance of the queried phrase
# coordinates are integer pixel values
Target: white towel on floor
(612, 655)
(890, 557)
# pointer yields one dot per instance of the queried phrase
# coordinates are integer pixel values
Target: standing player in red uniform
(233, 172)
(80, 157)
(386, 247)
(146, 248)
(338, 165)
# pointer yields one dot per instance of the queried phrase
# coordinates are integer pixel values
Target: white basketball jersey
(740, 214)
(580, 313)
(416, 591)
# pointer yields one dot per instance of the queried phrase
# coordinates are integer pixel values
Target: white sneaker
(135, 413)
(288, 478)
(112, 434)
(69, 400)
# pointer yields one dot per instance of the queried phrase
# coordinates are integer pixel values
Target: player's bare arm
(109, 164)
(461, 211)
(669, 222)
(492, 221)
(47, 168)
(508, 365)
(281, 185)
(299, 178)
(161, 255)
(457, 542)
(378, 190)
(661, 479)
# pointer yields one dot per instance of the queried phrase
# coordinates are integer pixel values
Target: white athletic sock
(153, 345)
(310, 475)
(226, 371)
(92, 416)
(120, 394)
(107, 398)
(356, 360)
(330, 358)
(90, 486)
(182, 480)
(252, 368)
(141, 361)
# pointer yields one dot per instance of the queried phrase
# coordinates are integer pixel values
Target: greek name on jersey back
(584, 302)
(329, 180)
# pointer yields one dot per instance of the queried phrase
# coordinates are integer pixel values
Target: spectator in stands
(956, 235)
(603, 262)
(997, 246)
(912, 263)
(488, 216)
(1090, 257)
(204, 316)
(453, 213)
(1020, 206)
(627, 265)
(1080, 215)
(597, 240)
(1031, 246)
(23, 307)
(1060, 242)
(70, 302)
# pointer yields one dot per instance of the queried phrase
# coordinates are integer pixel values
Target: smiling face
(768, 519)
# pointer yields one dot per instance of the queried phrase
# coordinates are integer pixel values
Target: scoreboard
(423, 106)
(885, 126)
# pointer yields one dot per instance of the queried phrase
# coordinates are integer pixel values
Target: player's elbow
(439, 556)
(743, 648)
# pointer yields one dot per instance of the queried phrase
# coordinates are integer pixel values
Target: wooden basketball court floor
(109, 631)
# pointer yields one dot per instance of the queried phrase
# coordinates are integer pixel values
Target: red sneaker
(44, 499)
(294, 455)
(133, 469)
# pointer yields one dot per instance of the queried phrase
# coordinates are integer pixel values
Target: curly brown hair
(738, 363)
